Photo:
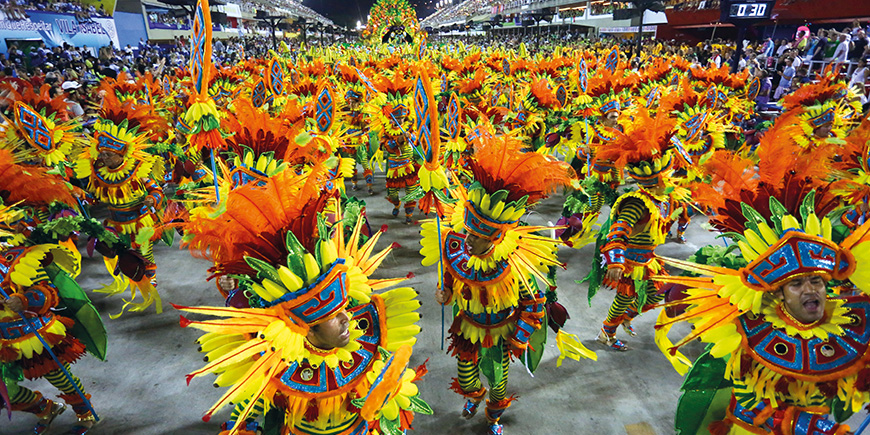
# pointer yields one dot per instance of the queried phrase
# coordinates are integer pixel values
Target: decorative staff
(202, 121)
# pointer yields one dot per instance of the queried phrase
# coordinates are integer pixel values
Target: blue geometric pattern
(107, 141)
(324, 379)
(753, 89)
(32, 123)
(197, 49)
(458, 256)
(798, 253)
(453, 117)
(276, 77)
(258, 97)
(793, 355)
(423, 120)
(612, 60)
(824, 118)
(583, 76)
(561, 95)
(325, 110)
(693, 124)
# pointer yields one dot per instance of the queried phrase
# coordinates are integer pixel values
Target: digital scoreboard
(740, 10)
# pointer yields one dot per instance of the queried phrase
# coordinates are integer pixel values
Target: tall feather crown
(506, 182)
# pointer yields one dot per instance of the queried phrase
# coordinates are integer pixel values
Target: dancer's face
(804, 298)
(332, 333)
(477, 245)
(109, 160)
(823, 131)
(610, 119)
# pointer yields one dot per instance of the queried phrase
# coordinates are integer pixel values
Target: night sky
(347, 12)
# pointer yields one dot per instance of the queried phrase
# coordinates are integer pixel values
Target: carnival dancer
(699, 134)
(358, 134)
(121, 174)
(603, 92)
(638, 222)
(35, 281)
(390, 117)
(318, 352)
(785, 350)
(495, 275)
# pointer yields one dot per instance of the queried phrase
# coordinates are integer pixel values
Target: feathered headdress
(782, 172)
(506, 182)
(643, 148)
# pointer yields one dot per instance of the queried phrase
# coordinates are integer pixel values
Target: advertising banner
(57, 28)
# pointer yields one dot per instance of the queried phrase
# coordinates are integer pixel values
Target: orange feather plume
(812, 93)
(256, 130)
(473, 83)
(499, 164)
(543, 95)
(31, 184)
(37, 99)
(256, 220)
(645, 138)
(730, 174)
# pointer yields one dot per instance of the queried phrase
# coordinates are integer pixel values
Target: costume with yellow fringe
(299, 272)
(124, 190)
(41, 278)
(391, 119)
(782, 376)
(821, 111)
(358, 132)
(498, 302)
(638, 222)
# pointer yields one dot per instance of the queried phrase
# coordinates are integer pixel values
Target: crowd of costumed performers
(246, 165)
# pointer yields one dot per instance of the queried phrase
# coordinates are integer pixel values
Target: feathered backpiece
(784, 172)
(643, 148)
(810, 94)
(499, 164)
(254, 220)
(719, 76)
(471, 86)
(115, 110)
(257, 130)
